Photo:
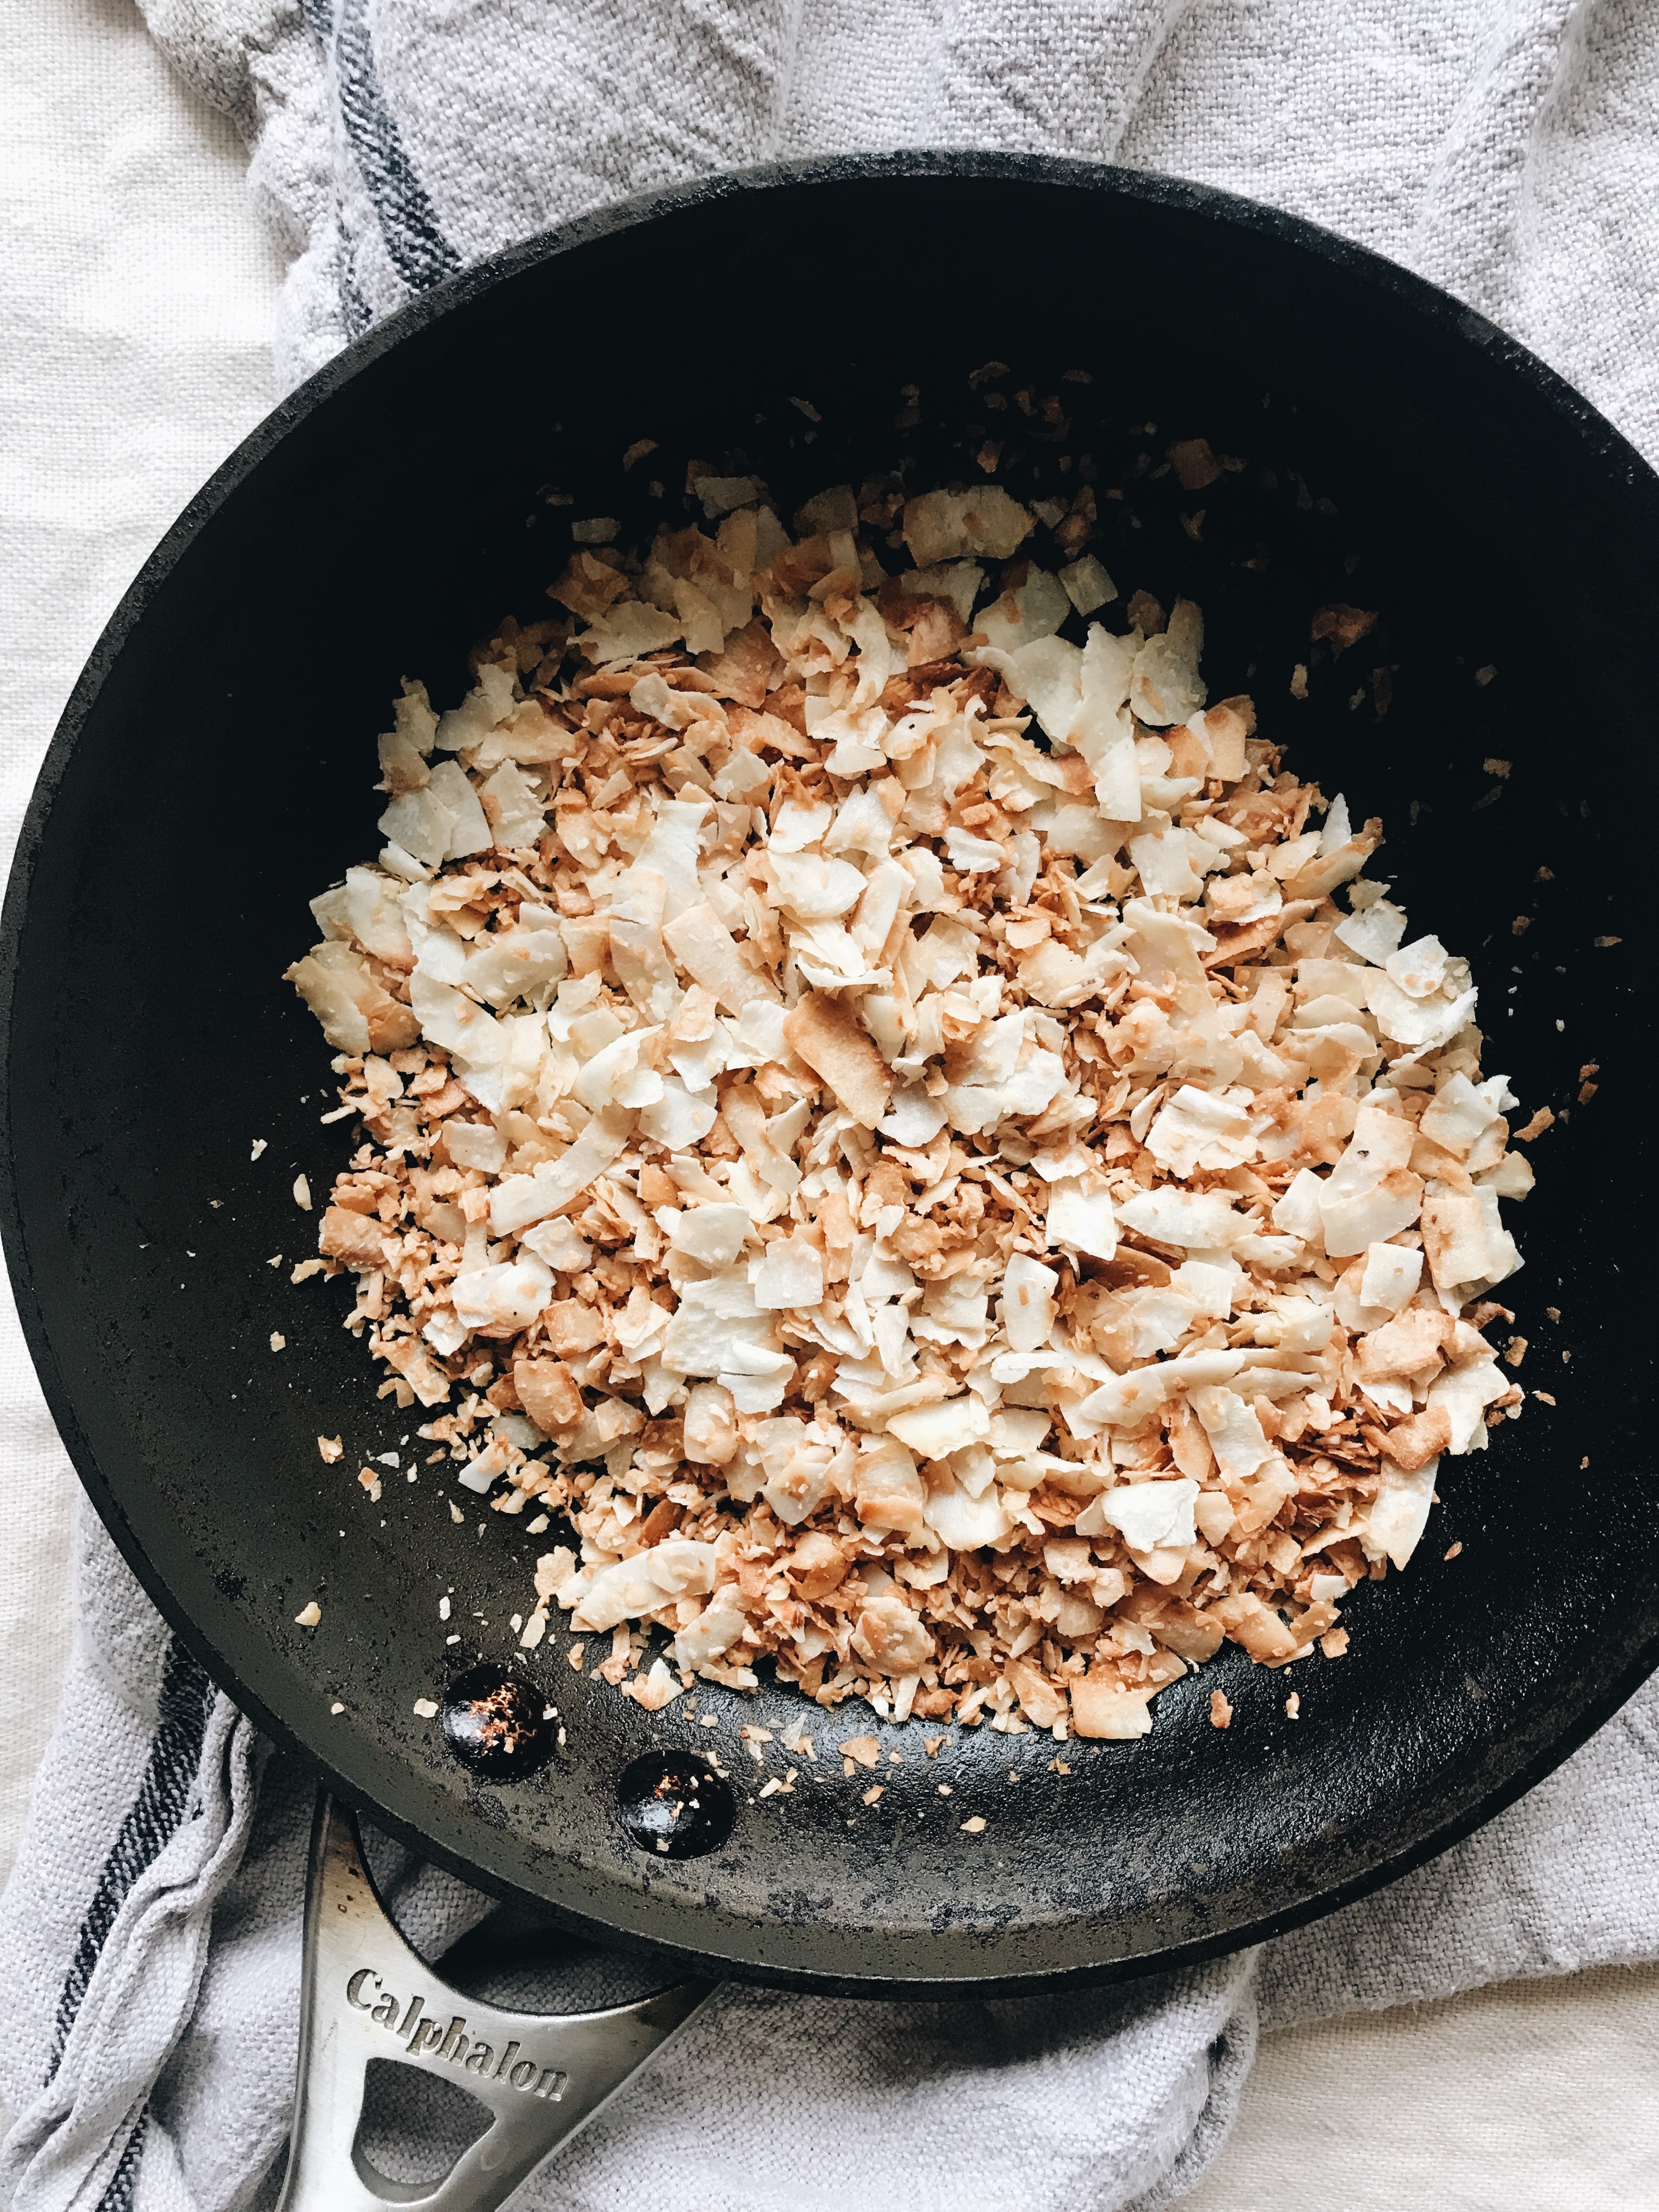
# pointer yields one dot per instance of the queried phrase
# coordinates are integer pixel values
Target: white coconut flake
(1027, 1302)
(1087, 585)
(790, 1273)
(1463, 1395)
(1373, 931)
(938, 1429)
(1392, 1273)
(1234, 1429)
(1203, 1219)
(1081, 1217)
(1152, 1516)
(1037, 609)
(1198, 1129)
(1397, 1520)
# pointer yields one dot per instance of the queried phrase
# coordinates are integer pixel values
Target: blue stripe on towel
(118, 2197)
(152, 1820)
(420, 252)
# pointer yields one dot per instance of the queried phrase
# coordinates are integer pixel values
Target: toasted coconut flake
(1101, 1708)
(822, 1032)
(871, 1108)
(944, 525)
(1401, 1514)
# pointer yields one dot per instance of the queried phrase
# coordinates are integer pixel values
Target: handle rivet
(674, 1806)
(493, 1724)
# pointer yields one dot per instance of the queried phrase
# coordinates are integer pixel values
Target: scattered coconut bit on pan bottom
(874, 1110)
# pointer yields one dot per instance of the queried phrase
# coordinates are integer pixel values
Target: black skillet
(213, 771)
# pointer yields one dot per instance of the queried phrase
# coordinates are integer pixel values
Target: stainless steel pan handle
(366, 1995)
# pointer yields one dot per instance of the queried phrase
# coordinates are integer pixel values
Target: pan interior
(216, 771)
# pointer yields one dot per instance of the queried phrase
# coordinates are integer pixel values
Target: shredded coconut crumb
(908, 1124)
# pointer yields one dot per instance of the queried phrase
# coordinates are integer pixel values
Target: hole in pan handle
(367, 1995)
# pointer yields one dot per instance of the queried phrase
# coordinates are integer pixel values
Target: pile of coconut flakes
(874, 1111)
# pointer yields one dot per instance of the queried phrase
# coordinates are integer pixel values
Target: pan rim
(1604, 447)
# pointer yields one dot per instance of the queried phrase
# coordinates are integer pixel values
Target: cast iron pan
(213, 771)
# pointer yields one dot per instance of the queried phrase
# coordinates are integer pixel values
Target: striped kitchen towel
(150, 1933)
(1506, 148)
(149, 1938)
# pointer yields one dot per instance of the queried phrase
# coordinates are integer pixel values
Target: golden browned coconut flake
(888, 1125)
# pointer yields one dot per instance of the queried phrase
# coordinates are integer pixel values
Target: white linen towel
(1507, 149)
